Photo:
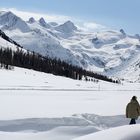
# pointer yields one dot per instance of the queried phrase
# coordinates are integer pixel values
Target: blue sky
(111, 13)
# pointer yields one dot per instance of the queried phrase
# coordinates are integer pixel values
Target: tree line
(35, 61)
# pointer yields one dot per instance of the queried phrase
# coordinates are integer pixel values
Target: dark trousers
(133, 121)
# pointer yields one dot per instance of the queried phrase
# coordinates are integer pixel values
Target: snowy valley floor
(38, 106)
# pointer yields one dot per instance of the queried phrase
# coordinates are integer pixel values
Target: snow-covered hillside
(6, 44)
(110, 52)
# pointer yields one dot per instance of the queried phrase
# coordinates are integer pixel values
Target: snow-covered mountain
(8, 21)
(67, 27)
(43, 23)
(110, 52)
(31, 20)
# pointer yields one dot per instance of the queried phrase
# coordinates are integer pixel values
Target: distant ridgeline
(31, 60)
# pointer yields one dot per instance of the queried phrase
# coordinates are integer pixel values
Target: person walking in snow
(133, 110)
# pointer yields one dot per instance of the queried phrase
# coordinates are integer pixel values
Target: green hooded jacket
(133, 109)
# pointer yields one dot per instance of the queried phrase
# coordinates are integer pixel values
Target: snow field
(38, 106)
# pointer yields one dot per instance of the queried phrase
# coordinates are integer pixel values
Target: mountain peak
(43, 23)
(67, 27)
(9, 20)
(31, 20)
(7, 13)
(69, 23)
(123, 32)
(6, 17)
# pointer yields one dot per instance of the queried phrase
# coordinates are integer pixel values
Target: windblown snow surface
(39, 106)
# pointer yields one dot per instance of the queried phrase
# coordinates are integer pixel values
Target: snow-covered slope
(110, 52)
(120, 133)
(7, 43)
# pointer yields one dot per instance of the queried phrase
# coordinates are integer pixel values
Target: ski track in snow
(77, 120)
(60, 128)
